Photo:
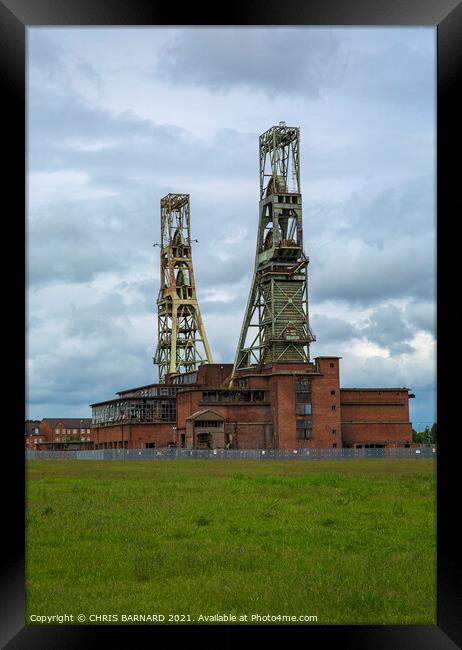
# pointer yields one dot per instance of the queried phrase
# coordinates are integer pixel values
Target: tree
(433, 430)
(427, 435)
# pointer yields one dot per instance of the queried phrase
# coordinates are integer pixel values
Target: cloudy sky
(119, 117)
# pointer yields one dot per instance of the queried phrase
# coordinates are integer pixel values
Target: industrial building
(274, 396)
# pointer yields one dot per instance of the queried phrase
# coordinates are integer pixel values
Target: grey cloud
(388, 329)
(379, 244)
(368, 275)
(101, 349)
(89, 381)
(422, 315)
(304, 61)
(43, 53)
(377, 213)
(65, 132)
(394, 211)
(106, 320)
(212, 270)
(75, 241)
(276, 60)
(89, 236)
(329, 329)
(233, 305)
(410, 79)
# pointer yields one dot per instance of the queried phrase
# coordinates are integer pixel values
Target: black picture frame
(446, 16)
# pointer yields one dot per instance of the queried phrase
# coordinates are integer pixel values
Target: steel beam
(181, 340)
(276, 324)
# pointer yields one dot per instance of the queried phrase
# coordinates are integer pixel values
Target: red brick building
(283, 406)
(59, 433)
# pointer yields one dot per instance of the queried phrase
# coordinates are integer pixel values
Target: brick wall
(213, 374)
(390, 434)
(134, 436)
(377, 416)
(325, 395)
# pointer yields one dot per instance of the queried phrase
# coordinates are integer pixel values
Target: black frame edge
(13, 21)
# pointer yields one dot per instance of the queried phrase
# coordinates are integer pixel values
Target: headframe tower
(276, 324)
(182, 342)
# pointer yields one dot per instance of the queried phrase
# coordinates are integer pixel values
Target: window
(233, 396)
(207, 424)
(334, 445)
(331, 365)
(184, 378)
(334, 432)
(302, 402)
(332, 392)
(303, 429)
(203, 440)
(334, 408)
(135, 410)
(303, 384)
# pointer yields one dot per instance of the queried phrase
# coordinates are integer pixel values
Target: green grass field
(349, 541)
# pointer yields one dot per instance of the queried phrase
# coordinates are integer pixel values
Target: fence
(257, 454)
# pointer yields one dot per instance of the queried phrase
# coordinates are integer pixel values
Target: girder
(276, 324)
(181, 340)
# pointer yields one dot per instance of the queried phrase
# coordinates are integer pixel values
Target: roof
(129, 390)
(31, 425)
(133, 398)
(68, 423)
(325, 356)
(193, 416)
(381, 389)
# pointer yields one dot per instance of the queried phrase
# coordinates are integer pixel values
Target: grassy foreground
(349, 541)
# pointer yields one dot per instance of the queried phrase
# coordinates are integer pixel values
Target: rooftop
(67, 422)
(375, 389)
(129, 390)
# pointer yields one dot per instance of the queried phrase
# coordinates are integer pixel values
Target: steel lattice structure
(276, 324)
(182, 341)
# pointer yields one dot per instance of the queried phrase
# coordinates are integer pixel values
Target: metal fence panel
(164, 453)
